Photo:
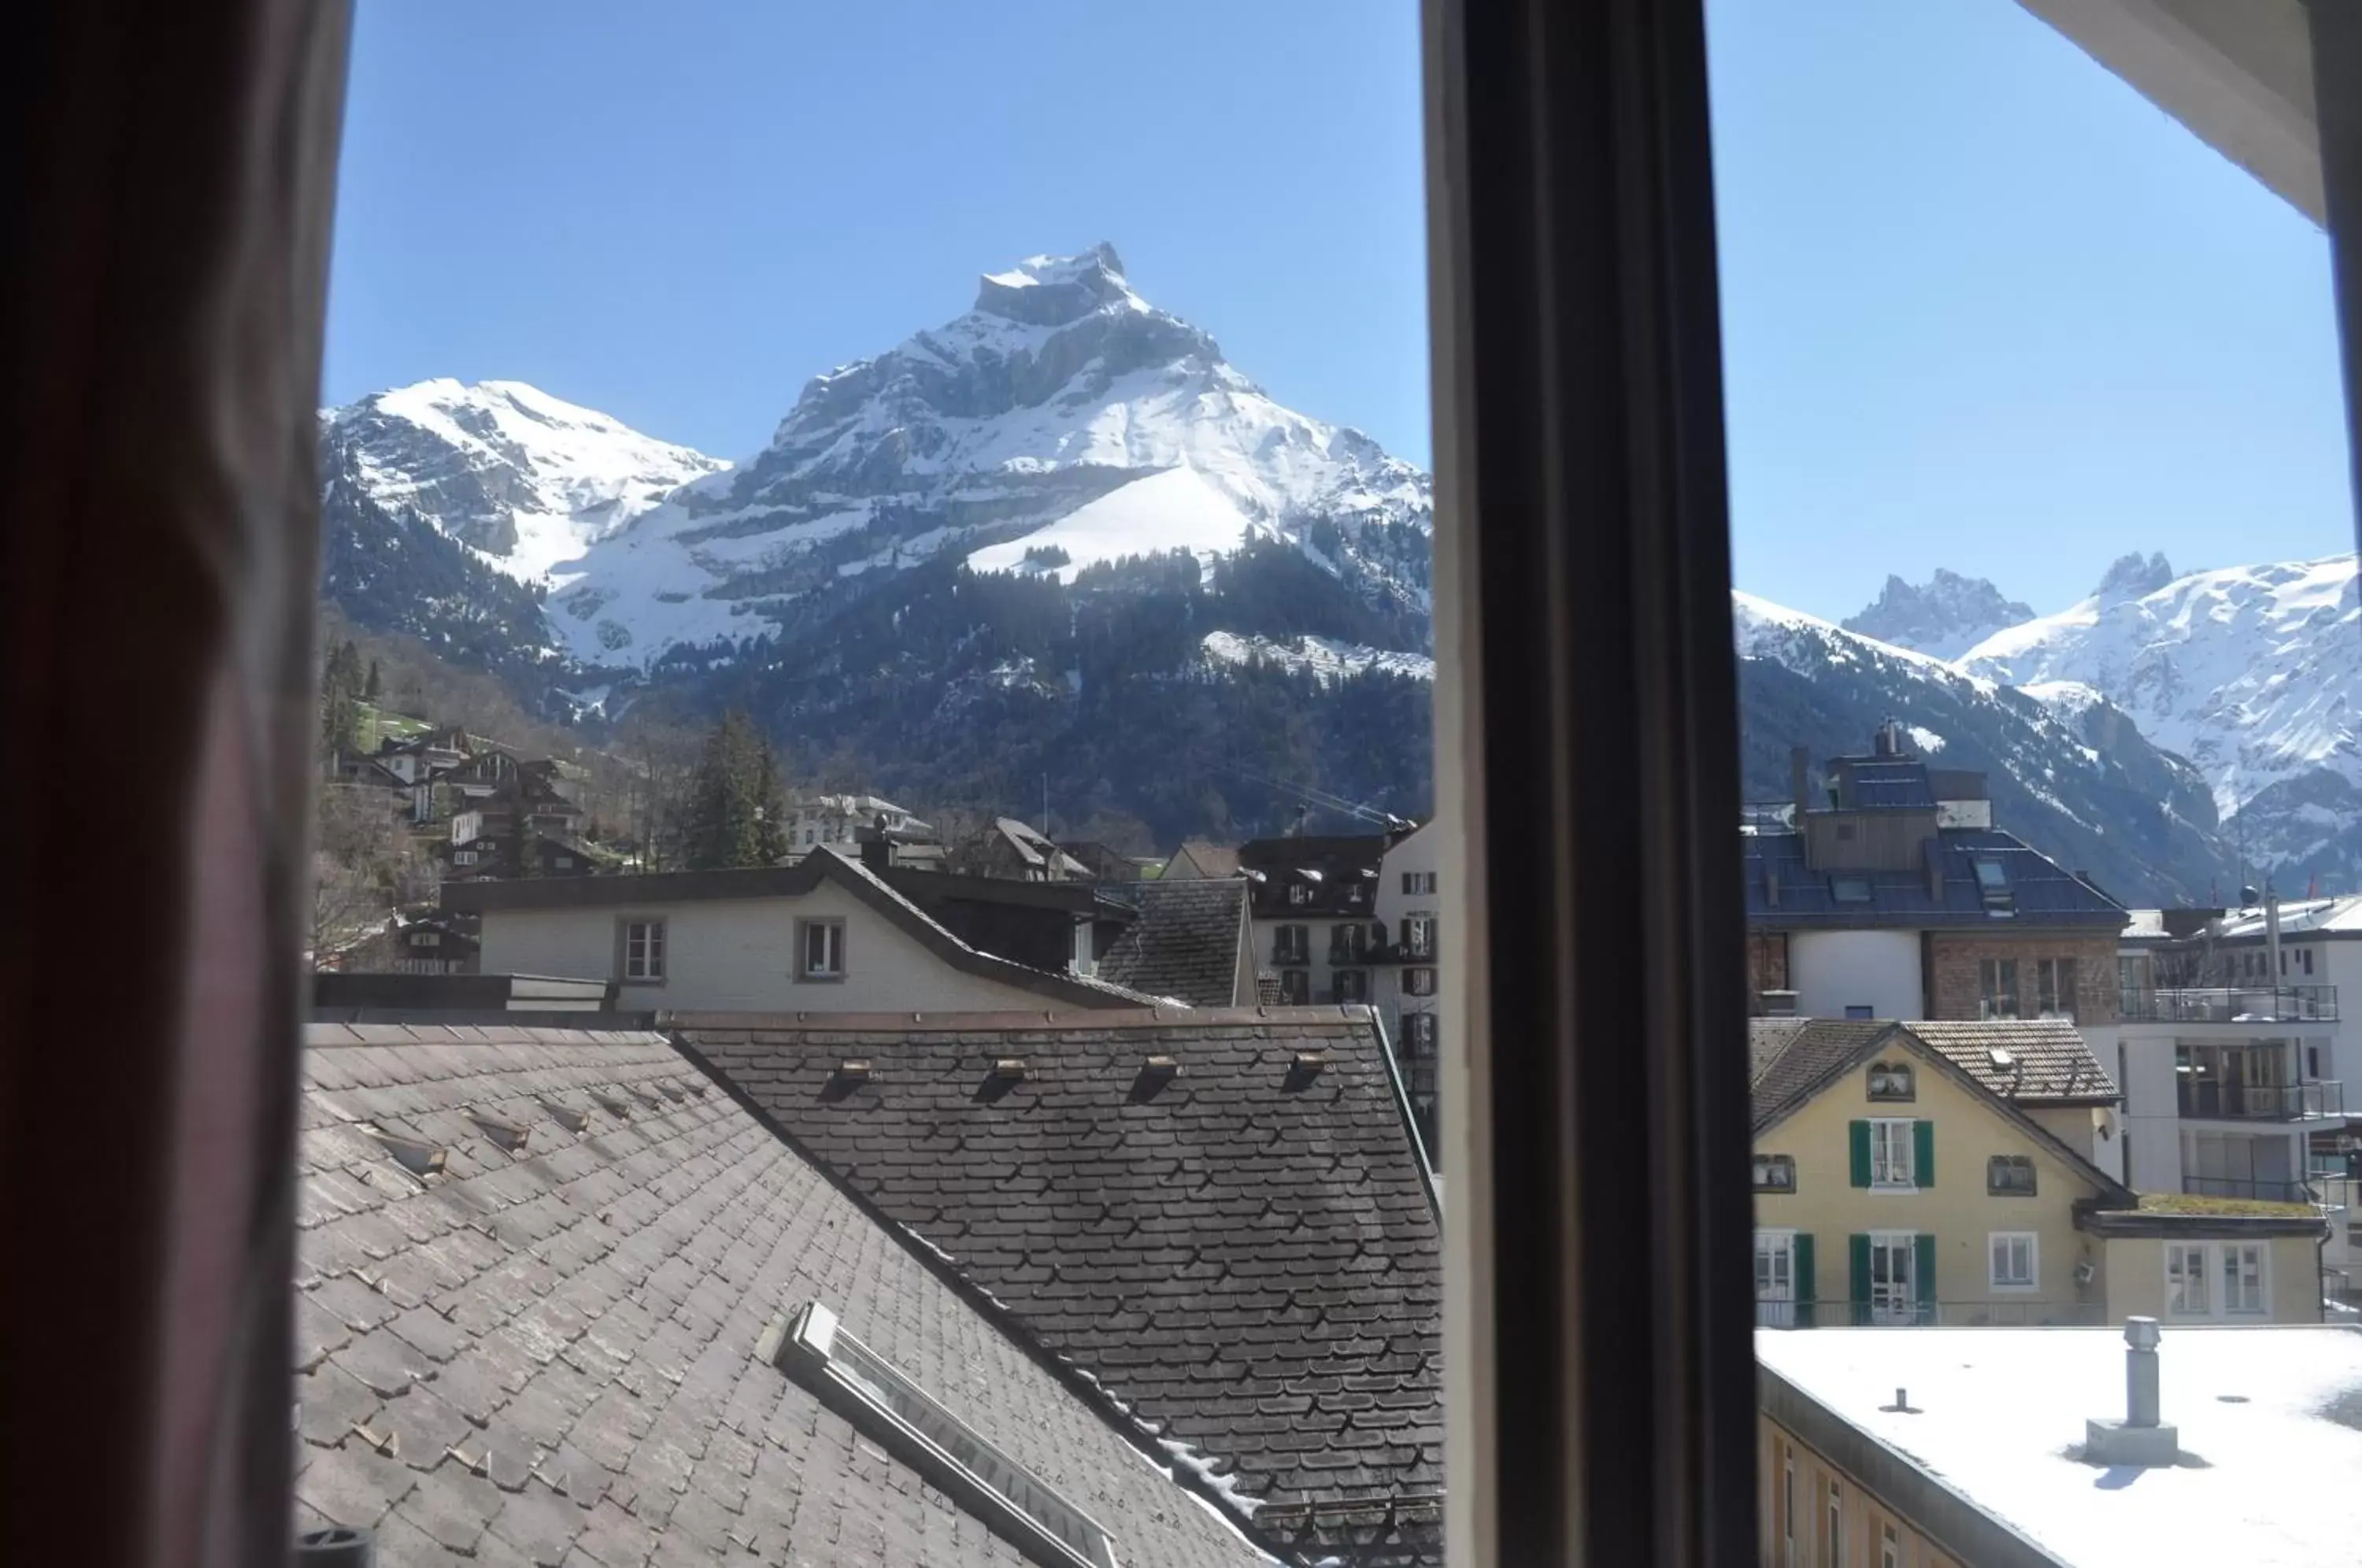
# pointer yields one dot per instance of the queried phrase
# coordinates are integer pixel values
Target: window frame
(2178, 1252)
(656, 950)
(2055, 980)
(2011, 1189)
(1992, 990)
(1419, 980)
(1764, 1164)
(1882, 1130)
(808, 926)
(1995, 1241)
(1907, 1093)
(2260, 1295)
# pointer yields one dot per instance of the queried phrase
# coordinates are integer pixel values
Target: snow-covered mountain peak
(526, 480)
(1946, 616)
(2129, 575)
(1063, 420)
(2254, 673)
(1050, 290)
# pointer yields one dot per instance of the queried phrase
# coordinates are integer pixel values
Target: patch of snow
(1177, 509)
(1926, 741)
(1325, 658)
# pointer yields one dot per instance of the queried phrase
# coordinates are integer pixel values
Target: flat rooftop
(2274, 1414)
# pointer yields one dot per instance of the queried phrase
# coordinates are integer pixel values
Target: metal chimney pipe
(2272, 943)
(2140, 1371)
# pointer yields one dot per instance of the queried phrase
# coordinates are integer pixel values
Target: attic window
(2009, 1176)
(1998, 1055)
(1891, 1081)
(1849, 889)
(1993, 885)
(1009, 1068)
(810, 1346)
(1775, 1172)
(853, 1070)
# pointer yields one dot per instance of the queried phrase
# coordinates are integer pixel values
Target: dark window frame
(1996, 1186)
(1880, 1087)
(804, 973)
(658, 948)
(1766, 1168)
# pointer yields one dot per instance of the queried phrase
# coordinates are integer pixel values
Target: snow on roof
(1994, 1412)
(2300, 917)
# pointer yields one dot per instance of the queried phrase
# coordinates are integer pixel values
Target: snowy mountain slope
(526, 480)
(2077, 781)
(998, 431)
(1946, 616)
(2252, 673)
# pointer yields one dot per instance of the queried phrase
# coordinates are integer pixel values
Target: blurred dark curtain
(169, 179)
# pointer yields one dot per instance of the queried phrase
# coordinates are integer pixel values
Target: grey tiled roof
(1186, 943)
(548, 1354)
(2049, 1061)
(1812, 1054)
(1767, 1038)
(1247, 1255)
(2042, 891)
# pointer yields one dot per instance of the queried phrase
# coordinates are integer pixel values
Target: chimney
(1800, 781)
(2140, 1439)
(877, 849)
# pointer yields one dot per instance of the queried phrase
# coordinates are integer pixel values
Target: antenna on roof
(1307, 796)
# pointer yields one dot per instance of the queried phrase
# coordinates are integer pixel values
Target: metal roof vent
(613, 1105)
(510, 1135)
(672, 1091)
(416, 1155)
(1998, 1055)
(1305, 1069)
(853, 1070)
(1005, 1074)
(565, 1115)
(1156, 1072)
(2140, 1438)
(1009, 1067)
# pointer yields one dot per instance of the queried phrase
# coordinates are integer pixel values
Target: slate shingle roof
(2042, 892)
(1185, 944)
(1766, 1038)
(1813, 1052)
(548, 1355)
(2049, 1061)
(1246, 1255)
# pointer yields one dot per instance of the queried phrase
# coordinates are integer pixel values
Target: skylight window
(1849, 889)
(810, 1346)
(1993, 884)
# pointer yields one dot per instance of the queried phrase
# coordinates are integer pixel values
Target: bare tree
(357, 851)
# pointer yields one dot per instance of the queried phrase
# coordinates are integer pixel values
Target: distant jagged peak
(2134, 575)
(1945, 616)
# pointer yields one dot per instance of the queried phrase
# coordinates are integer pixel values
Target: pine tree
(376, 686)
(339, 707)
(725, 825)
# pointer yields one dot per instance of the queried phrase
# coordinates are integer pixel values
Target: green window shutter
(1923, 1153)
(1859, 1245)
(1803, 1268)
(1858, 1130)
(1924, 1273)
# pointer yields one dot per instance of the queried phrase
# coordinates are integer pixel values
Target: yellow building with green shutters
(1904, 1180)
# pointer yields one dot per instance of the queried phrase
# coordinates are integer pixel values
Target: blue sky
(1985, 307)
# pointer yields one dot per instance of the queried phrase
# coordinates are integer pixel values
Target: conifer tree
(726, 825)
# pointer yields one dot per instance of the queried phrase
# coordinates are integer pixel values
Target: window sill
(1892, 1187)
(819, 979)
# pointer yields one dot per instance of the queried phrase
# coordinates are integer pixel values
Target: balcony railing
(1930, 1314)
(2262, 1102)
(2228, 1004)
(2239, 1186)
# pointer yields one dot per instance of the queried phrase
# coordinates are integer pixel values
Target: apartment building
(1891, 894)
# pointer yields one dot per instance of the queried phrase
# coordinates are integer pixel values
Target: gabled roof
(550, 1351)
(1767, 1038)
(2042, 1061)
(2042, 892)
(1826, 1050)
(1186, 943)
(1035, 850)
(1210, 859)
(1340, 870)
(1239, 1243)
(823, 863)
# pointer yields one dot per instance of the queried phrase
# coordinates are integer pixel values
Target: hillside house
(1010, 849)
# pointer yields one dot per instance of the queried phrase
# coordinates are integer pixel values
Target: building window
(463, 858)
(1849, 889)
(644, 951)
(1418, 1034)
(563, 862)
(1835, 1542)
(820, 950)
(1891, 1164)
(1349, 941)
(1419, 935)
(2242, 1278)
(1788, 1505)
(1291, 945)
(1299, 892)
(1993, 886)
(1890, 1546)
(1997, 987)
(2010, 1175)
(1351, 986)
(2054, 988)
(2185, 1281)
(1419, 982)
(2312, 1062)
(1891, 1081)
(1419, 881)
(1775, 1172)
(2013, 1259)
(426, 939)
(1295, 987)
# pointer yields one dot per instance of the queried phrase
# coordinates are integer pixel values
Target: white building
(1409, 904)
(827, 934)
(814, 820)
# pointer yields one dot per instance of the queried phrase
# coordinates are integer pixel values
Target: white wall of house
(1833, 970)
(1417, 858)
(738, 955)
